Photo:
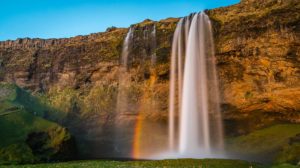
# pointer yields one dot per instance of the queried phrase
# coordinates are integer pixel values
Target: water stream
(195, 122)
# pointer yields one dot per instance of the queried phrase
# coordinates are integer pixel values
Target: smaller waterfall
(194, 94)
(126, 48)
(134, 46)
(124, 76)
(153, 45)
(138, 55)
(121, 148)
(144, 142)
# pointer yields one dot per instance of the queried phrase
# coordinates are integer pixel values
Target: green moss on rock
(21, 126)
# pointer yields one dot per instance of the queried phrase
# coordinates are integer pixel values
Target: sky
(68, 18)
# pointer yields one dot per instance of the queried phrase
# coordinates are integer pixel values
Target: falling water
(121, 148)
(194, 90)
(124, 76)
(178, 54)
(153, 45)
(139, 47)
(134, 46)
(126, 47)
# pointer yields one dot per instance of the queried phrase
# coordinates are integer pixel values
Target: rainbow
(137, 136)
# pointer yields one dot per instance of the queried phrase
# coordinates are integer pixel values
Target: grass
(21, 115)
(265, 140)
(15, 127)
(183, 163)
(268, 145)
(13, 98)
(14, 130)
(285, 166)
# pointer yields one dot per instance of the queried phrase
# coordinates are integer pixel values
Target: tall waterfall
(194, 93)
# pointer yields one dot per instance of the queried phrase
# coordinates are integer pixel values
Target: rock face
(79, 79)
(38, 64)
(258, 55)
(258, 51)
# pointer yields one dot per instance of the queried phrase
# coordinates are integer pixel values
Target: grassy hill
(25, 136)
(279, 143)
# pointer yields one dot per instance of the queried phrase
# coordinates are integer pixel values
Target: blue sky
(67, 18)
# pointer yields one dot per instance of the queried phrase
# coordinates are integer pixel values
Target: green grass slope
(25, 137)
(273, 143)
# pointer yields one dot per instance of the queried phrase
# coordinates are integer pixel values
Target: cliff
(78, 79)
(257, 45)
(257, 49)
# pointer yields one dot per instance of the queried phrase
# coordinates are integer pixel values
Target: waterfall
(126, 48)
(134, 46)
(153, 45)
(120, 146)
(139, 48)
(124, 76)
(194, 93)
(177, 59)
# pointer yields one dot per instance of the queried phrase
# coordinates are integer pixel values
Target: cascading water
(131, 50)
(124, 76)
(194, 94)
(177, 59)
(121, 148)
(139, 47)
(153, 45)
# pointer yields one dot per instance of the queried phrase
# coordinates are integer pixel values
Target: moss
(18, 129)
(61, 101)
(56, 144)
(290, 153)
(14, 98)
(100, 100)
(16, 126)
(7, 92)
(31, 103)
(267, 142)
(14, 129)
(16, 154)
(285, 165)
(58, 135)
(20, 117)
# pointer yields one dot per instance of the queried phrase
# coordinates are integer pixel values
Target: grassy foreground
(182, 163)
(279, 144)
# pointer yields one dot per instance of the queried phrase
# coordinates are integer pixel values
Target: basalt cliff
(73, 83)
